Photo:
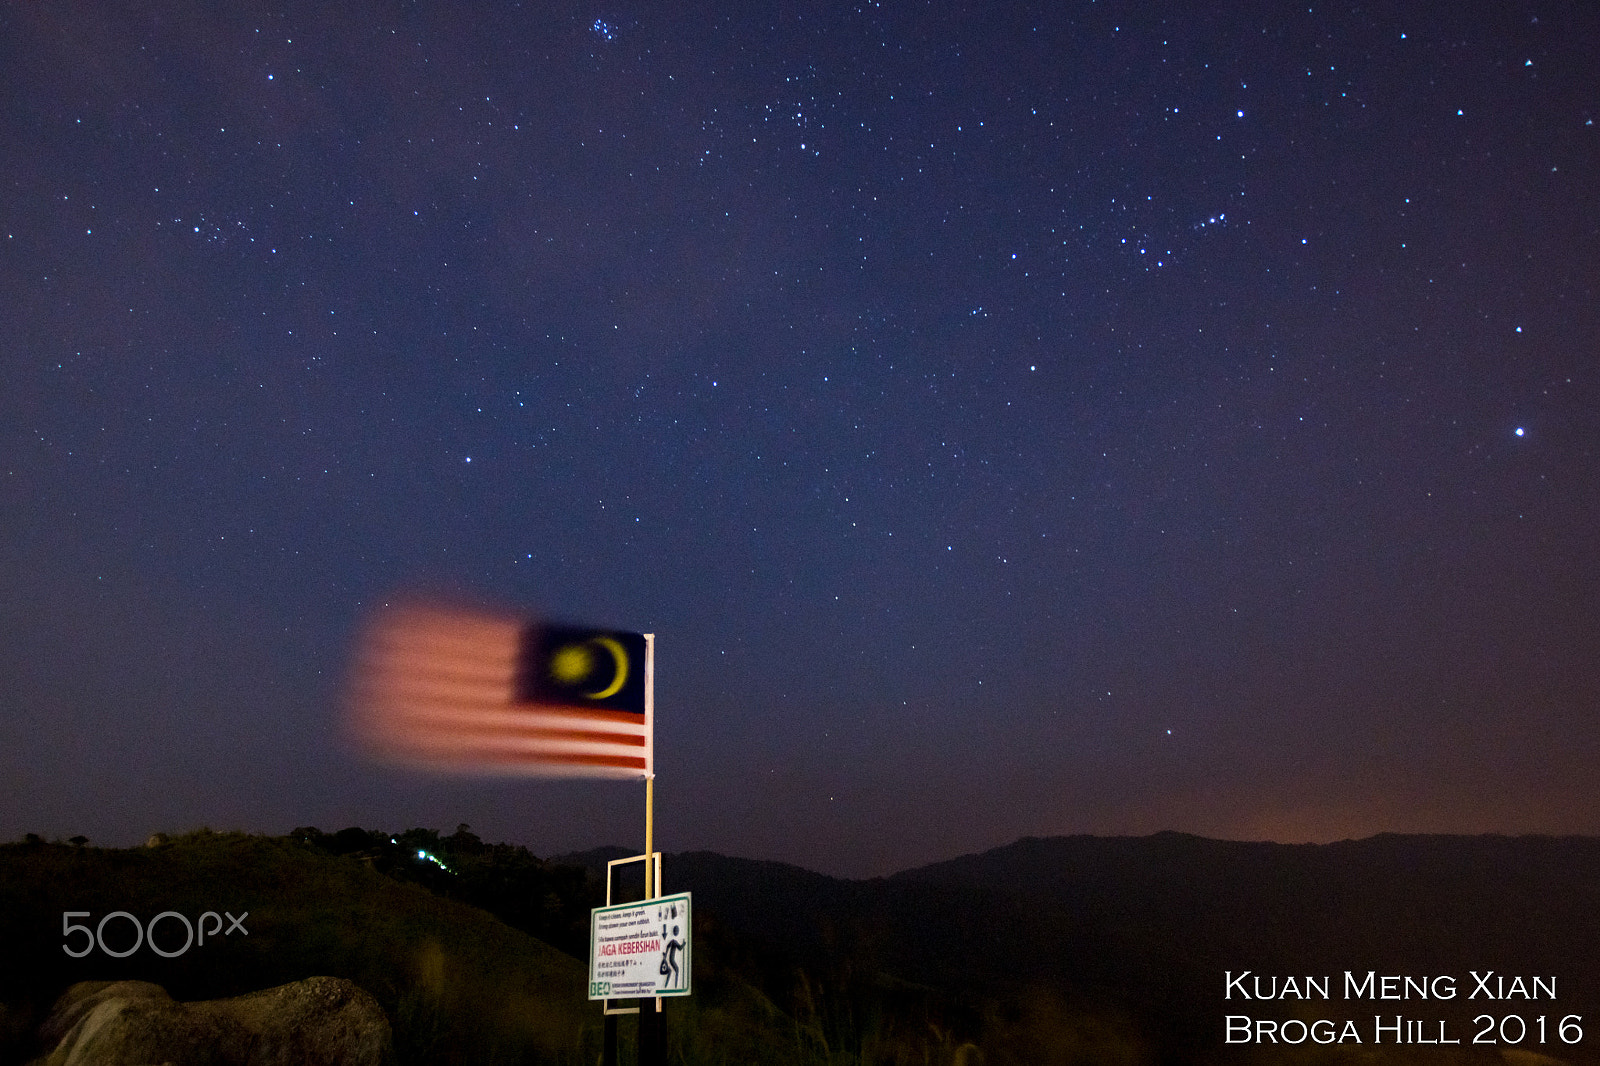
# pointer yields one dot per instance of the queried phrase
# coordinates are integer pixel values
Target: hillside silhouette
(1133, 937)
(1060, 950)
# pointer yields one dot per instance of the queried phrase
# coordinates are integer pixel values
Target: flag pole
(650, 775)
(652, 867)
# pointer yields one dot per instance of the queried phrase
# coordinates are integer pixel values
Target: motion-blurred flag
(473, 691)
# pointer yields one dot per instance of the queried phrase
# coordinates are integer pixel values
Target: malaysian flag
(466, 690)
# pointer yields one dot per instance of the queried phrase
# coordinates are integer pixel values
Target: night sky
(1011, 419)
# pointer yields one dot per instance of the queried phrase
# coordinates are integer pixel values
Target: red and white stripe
(436, 686)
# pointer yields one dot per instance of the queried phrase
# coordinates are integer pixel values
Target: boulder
(320, 1021)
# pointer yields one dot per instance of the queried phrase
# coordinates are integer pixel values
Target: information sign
(640, 950)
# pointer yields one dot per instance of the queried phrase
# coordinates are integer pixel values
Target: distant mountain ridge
(1152, 925)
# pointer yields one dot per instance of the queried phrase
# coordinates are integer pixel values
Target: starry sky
(1085, 416)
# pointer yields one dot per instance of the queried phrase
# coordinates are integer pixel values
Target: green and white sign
(639, 950)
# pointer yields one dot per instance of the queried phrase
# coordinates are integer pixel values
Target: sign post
(639, 950)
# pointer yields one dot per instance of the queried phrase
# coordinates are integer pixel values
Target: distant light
(1519, 431)
(435, 860)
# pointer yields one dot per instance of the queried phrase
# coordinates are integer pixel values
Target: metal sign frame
(652, 873)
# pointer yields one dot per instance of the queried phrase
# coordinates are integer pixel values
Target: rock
(321, 1021)
(82, 998)
(326, 1021)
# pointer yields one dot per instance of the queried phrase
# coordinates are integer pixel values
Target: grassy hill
(431, 962)
(459, 984)
(1059, 951)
